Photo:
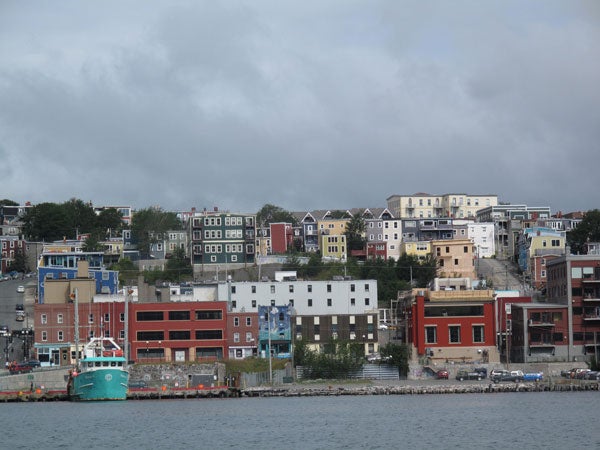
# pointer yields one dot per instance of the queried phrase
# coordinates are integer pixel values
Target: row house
(422, 205)
(508, 222)
(456, 325)
(222, 238)
(275, 239)
(383, 233)
(538, 241)
(307, 231)
(10, 247)
(574, 281)
(242, 339)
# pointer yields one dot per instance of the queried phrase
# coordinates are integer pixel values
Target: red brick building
(242, 338)
(574, 281)
(178, 331)
(455, 325)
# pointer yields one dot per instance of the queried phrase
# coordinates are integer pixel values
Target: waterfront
(484, 421)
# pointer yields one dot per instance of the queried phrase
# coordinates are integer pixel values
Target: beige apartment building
(422, 205)
(455, 258)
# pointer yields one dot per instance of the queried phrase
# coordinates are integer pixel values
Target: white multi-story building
(308, 298)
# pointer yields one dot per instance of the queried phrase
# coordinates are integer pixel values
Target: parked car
(468, 375)
(533, 376)
(16, 368)
(442, 374)
(33, 363)
(592, 375)
(581, 373)
(20, 289)
(482, 371)
(4, 331)
(505, 375)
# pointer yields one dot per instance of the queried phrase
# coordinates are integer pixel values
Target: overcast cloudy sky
(306, 105)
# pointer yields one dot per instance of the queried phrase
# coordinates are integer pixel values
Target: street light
(147, 343)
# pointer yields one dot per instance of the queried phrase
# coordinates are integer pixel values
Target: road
(502, 273)
(13, 348)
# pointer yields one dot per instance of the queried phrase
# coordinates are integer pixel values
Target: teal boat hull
(99, 385)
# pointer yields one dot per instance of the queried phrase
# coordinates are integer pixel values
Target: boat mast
(128, 293)
(74, 296)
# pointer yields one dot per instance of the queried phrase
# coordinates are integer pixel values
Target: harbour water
(548, 420)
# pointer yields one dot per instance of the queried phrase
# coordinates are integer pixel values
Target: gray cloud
(315, 105)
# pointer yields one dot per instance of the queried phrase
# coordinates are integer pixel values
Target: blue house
(57, 264)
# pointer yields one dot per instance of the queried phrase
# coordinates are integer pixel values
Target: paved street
(503, 273)
(12, 349)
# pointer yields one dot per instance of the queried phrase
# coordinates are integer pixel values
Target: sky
(328, 104)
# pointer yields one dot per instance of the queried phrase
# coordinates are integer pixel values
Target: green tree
(150, 223)
(273, 214)
(80, 217)
(92, 243)
(19, 263)
(588, 230)
(111, 221)
(47, 222)
(127, 271)
(355, 230)
(397, 355)
(178, 265)
(7, 202)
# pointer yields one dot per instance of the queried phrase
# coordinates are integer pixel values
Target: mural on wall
(274, 323)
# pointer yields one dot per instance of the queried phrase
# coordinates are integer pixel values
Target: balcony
(591, 317)
(540, 323)
(541, 345)
(591, 297)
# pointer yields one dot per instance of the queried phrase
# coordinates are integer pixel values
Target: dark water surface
(549, 420)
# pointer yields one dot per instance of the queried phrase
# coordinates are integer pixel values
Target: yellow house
(333, 246)
(455, 258)
(419, 249)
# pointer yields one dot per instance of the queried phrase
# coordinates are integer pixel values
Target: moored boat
(101, 375)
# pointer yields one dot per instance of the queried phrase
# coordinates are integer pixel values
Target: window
(44, 335)
(60, 336)
(431, 335)
(366, 288)
(291, 288)
(150, 335)
(59, 318)
(179, 335)
(367, 301)
(253, 289)
(106, 317)
(352, 288)
(454, 334)
(329, 303)
(309, 288)
(310, 302)
(179, 315)
(236, 321)
(249, 337)
(254, 303)
(328, 288)
(233, 289)
(209, 315)
(248, 321)
(121, 334)
(90, 318)
(44, 319)
(236, 337)
(478, 336)
(456, 261)
(212, 334)
(122, 317)
(144, 316)
(272, 289)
